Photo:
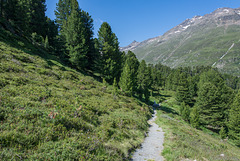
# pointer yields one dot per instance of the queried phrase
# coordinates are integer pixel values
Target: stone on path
(152, 146)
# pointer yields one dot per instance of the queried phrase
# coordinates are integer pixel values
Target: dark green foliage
(183, 92)
(52, 33)
(194, 118)
(111, 57)
(63, 10)
(37, 39)
(27, 15)
(115, 87)
(46, 43)
(210, 112)
(234, 120)
(144, 80)
(222, 133)
(185, 111)
(214, 99)
(128, 80)
(38, 18)
(78, 33)
(75, 41)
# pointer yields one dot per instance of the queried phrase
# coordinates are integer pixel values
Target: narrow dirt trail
(152, 146)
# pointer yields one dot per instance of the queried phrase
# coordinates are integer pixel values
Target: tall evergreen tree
(51, 30)
(63, 10)
(194, 117)
(144, 80)
(78, 33)
(183, 92)
(111, 56)
(234, 120)
(92, 55)
(214, 99)
(210, 112)
(128, 80)
(38, 18)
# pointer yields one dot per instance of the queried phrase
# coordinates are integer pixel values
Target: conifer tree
(46, 43)
(75, 40)
(210, 112)
(194, 117)
(234, 120)
(51, 30)
(222, 133)
(38, 18)
(128, 80)
(214, 99)
(185, 111)
(63, 10)
(115, 87)
(111, 56)
(183, 93)
(78, 33)
(144, 80)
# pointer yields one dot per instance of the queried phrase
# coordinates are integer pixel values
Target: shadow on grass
(168, 110)
(24, 44)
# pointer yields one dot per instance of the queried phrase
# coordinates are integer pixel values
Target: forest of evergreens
(207, 97)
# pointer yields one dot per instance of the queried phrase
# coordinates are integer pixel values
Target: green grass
(184, 142)
(49, 111)
(195, 47)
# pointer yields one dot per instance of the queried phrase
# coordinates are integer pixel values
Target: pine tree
(183, 93)
(213, 99)
(222, 133)
(75, 40)
(115, 87)
(63, 10)
(92, 55)
(210, 112)
(144, 81)
(111, 56)
(51, 30)
(234, 120)
(194, 118)
(46, 43)
(185, 111)
(38, 18)
(78, 33)
(128, 80)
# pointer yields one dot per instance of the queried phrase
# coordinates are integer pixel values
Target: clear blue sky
(143, 19)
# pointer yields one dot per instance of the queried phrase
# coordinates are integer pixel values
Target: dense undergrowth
(184, 142)
(49, 111)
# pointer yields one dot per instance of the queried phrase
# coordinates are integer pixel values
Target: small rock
(221, 155)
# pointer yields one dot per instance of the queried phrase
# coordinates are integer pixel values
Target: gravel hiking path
(152, 146)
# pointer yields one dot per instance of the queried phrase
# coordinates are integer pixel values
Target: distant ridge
(201, 40)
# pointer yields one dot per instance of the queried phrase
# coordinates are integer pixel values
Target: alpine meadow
(69, 94)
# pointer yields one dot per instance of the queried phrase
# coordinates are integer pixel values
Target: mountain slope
(202, 40)
(49, 111)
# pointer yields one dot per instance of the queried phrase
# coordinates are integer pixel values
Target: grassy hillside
(182, 142)
(49, 111)
(197, 46)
